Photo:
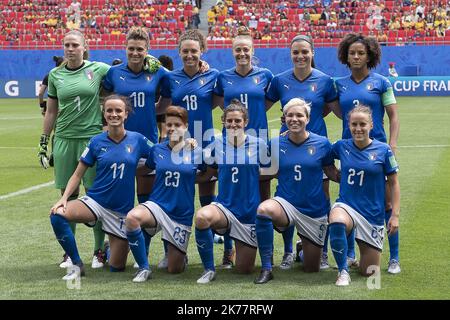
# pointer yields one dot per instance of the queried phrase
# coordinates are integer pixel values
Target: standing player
(171, 205)
(300, 157)
(236, 155)
(192, 89)
(362, 86)
(73, 104)
(167, 63)
(44, 85)
(315, 87)
(365, 163)
(116, 154)
(248, 84)
(139, 79)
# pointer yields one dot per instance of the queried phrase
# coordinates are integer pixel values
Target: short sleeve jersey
(77, 91)
(116, 165)
(174, 187)
(370, 92)
(317, 89)
(363, 173)
(250, 90)
(142, 89)
(300, 175)
(195, 94)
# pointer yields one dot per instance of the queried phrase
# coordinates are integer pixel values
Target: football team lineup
(324, 210)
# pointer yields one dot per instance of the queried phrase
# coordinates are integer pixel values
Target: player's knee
(337, 216)
(265, 209)
(202, 219)
(244, 269)
(311, 268)
(132, 222)
(174, 269)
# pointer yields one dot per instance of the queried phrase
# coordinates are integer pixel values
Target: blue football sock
(165, 246)
(65, 237)
(288, 235)
(338, 243)
(325, 245)
(137, 245)
(227, 242)
(351, 244)
(205, 247)
(205, 200)
(264, 235)
(393, 239)
(147, 239)
(143, 198)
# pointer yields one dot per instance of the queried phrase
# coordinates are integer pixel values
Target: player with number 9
(73, 104)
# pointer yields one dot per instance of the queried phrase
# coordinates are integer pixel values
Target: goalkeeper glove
(151, 64)
(43, 148)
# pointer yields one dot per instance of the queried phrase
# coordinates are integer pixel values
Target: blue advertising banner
(421, 86)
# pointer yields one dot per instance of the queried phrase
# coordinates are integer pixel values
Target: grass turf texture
(29, 254)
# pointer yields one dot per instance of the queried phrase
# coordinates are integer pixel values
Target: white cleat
(343, 279)
(324, 262)
(164, 263)
(74, 272)
(207, 277)
(394, 267)
(96, 264)
(66, 263)
(142, 275)
(352, 262)
(287, 262)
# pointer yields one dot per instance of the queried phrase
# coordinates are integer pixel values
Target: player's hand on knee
(62, 203)
(43, 149)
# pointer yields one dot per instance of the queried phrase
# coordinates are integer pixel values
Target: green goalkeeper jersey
(78, 94)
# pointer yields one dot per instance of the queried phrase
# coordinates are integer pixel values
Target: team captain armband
(388, 97)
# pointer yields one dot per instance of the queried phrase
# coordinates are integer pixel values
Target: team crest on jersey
(149, 77)
(89, 74)
(129, 148)
(314, 87)
(202, 81)
(373, 156)
(369, 86)
(311, 150)
(256, 79)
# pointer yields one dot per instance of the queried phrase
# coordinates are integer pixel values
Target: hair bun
(243, 31)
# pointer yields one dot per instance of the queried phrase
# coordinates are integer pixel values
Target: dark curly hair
(372, 47)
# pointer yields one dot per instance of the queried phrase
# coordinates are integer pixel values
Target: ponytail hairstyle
(235, 105)
(195, 35)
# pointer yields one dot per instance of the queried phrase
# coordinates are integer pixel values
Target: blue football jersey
(363, 172)
(174, 187)
(142, 89)
(250, 90)
(300, 172)
(196, 96)
(317, 89)
(238, 175)
(369, 92)
(116, 165)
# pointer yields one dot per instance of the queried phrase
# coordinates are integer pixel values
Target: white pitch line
(427, 146)
(26, 190)
(273, 120)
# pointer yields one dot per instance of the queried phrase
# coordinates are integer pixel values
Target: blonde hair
(79, 34)
(361, 108)
(193, 35)
(138, 33)
(298, 102)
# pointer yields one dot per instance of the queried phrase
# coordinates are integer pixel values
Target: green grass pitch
(29, 253)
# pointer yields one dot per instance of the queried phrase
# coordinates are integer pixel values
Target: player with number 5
(365, 162)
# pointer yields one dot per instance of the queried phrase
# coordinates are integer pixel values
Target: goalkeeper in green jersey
(73, 111)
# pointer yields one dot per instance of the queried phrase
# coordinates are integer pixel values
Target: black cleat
(264, 276)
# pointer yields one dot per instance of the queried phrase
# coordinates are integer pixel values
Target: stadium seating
(42, 24)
